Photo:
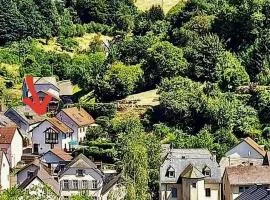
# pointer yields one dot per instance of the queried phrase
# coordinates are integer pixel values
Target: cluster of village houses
(194, 174)
(38, 150)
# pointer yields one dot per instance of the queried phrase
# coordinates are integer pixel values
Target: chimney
(214, 156)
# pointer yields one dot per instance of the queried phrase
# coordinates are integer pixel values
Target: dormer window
(171, 172)
(30, 174)
(207, 171)
(80, 172)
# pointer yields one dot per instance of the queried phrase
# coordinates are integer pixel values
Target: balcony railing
(48, 141)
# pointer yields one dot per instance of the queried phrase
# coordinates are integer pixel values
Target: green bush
(94, 27)
(67, 44)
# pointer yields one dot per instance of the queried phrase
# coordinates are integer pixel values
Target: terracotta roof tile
(248, 175)
(6, 134)
(61, 154)
(59, 125)
(79, 116)
(257, 147)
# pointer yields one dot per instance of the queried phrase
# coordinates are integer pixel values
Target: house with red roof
(11, 142)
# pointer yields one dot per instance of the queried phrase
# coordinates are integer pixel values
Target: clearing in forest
(146, 4)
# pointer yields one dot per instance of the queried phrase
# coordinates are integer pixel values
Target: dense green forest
(210, 61)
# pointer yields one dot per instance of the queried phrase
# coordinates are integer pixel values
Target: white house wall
(16, 149)
(87, 177)
(70, 123)
(5, 183)
(38, 137)
(244, 150)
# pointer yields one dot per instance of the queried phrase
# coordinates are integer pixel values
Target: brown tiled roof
(57, 124)
(248, 175)
(61, 154)
(255, 146)
(79, 116)
(6, 134)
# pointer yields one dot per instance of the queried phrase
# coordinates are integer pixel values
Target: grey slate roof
(255, 193)
(5, 121)
(23, 111)
(43, 176)
(81, 161)
(110, 182)
(180, 159)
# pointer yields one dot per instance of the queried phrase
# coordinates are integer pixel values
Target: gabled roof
(61, 154)
(79, 116)
(57, 124)
(45, 80)
(85, 162)
(7, 134)
(191, 172)
(24, 112)
(248, 175)
(189, 163)
(255, 146)
(81, 161)
(44, 177)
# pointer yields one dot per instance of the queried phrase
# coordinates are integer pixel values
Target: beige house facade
(190, 174)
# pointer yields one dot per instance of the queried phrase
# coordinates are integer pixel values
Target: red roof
(6, 134)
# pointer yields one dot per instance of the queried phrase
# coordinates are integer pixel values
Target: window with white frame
(65, 185)
(94, 184)
(84, 184)
(75, 184)
(171, 172)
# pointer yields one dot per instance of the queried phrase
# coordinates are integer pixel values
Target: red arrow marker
(39, 107)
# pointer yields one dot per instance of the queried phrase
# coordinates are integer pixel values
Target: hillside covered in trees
(209, 60)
